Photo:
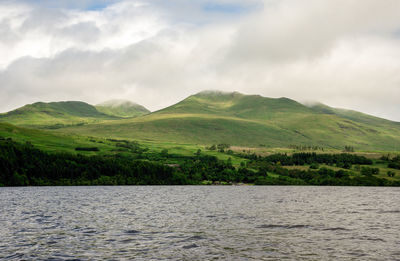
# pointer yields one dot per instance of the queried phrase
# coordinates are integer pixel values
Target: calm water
(200, 223)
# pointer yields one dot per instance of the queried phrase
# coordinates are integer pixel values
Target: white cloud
(44, 32)
(343, 53)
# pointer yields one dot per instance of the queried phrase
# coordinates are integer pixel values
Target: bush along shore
(25, 165)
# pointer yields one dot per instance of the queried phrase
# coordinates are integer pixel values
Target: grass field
(50, 141)
(329, 132)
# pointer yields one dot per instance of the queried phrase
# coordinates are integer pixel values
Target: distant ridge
(54, 114)
(350, 114)
(122, 108)
(212, 117)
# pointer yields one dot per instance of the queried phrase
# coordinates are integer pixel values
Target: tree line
(23, 165)
(341, 160)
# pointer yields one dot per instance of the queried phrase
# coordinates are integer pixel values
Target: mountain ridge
(65, 113)
(54, 113)
(250, 120)
(247, 120)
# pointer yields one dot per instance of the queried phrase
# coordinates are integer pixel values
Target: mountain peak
(217, 93)
(53, 114)
(235, 104)
(76, 108)
(117, 103)
(122, 108)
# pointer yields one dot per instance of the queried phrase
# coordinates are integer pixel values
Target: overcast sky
(344, 53)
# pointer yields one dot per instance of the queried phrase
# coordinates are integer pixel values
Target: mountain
(54, 114)
(235, 104)
(252, 120)
(122, 108)
(352, 115)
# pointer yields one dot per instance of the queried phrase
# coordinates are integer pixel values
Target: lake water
(200, 223)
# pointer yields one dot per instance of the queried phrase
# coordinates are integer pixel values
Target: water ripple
(199, 223)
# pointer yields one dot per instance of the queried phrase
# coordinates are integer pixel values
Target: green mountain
(235, 104)
(54, 114)
(122, 108)
(252, 120)
(353, 115)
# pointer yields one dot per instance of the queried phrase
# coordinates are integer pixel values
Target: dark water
(200, 223)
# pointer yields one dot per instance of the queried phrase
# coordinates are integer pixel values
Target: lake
(200, 223)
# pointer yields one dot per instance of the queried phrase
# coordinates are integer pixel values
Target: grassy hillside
(49, 141)
(54, 114)
(354, 115)
(252, 121)
(122, 108)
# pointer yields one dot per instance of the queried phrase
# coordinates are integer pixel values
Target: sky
(343, 53)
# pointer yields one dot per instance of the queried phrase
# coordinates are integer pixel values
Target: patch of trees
(220, 147)
(343, 160)
(348, 148)
(60, 125)
(87, 149)
(306, 147)
(22, 165)
(321, 177)
(390, 173)
(367, 171)
(394, 163)
(132, 146)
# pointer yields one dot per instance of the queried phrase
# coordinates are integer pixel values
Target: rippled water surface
(200, 223)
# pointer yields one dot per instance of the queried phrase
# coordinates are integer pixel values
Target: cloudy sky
(345, 53)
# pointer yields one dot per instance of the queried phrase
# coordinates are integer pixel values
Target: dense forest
(25, 165)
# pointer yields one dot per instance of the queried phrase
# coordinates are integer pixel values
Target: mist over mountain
(122, 108)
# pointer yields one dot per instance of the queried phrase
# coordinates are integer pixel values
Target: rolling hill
(122, 108)
(55, 114)
(50, 141)
(252, 120)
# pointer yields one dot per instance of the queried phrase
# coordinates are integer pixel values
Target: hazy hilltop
(122, 108)
(252, 120)
(54, 114)
(236, 104)
(67, 113)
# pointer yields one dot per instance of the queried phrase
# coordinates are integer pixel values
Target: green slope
(237, 105)
(252, 120)
(353, 115)
(54, 114)
(122, 108)
(50, 141)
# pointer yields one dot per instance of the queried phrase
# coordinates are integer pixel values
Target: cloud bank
(344, 53)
